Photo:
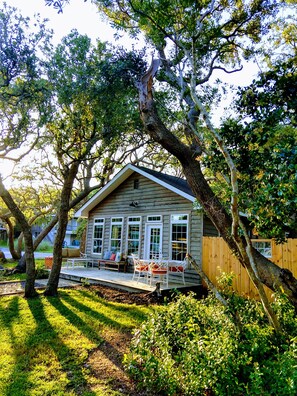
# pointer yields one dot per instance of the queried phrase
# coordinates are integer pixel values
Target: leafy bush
(42, 273)
(45, 246)
(193, 347)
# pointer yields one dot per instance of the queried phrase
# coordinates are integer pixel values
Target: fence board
(217, 259)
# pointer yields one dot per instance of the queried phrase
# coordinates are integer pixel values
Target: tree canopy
(22, 91)
(263, 141)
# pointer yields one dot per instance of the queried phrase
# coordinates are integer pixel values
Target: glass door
(153, 241)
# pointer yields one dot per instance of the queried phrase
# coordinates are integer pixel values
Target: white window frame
(98, 221)
(131, 221)
(179, 221)
(120, 221)
(154, 219)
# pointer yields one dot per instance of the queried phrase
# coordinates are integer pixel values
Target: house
(70, 235)
(144, 212)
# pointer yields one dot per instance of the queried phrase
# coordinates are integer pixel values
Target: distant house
(146, 213)
(70, 235)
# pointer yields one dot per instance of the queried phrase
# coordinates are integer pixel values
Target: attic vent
(136, 184)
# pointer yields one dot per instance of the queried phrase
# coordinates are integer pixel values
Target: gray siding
(208, 228)
(152, 199)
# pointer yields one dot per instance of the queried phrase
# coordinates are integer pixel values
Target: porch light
(134, 204)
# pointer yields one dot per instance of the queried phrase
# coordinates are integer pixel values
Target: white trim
(118, 179)
(139, 223)
(103, 230)
(187, 221)
(121, 223)
(149, 226)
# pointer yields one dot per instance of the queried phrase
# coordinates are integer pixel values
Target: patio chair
(158, 271)
(178, 269)
(141, 269)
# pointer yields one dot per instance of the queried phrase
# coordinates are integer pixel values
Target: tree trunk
(20, 241)
(21, 267)
(10, 234)
(270, 274)
(26, 229)
(53, 282)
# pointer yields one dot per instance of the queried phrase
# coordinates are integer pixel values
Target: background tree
(263, 141)
(22, 106)
(36, 203)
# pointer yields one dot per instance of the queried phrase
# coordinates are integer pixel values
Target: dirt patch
(106, 364)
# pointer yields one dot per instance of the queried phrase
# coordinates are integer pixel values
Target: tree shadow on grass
(82, 326)
(132, 311)
(10, 314)
(109, 346)
(44, 337)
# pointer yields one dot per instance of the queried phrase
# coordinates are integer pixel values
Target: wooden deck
(119, 280)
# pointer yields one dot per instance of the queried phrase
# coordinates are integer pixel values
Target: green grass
(45, 342)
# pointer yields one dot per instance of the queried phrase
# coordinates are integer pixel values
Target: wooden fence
(217, 259)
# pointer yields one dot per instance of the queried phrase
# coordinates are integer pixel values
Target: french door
(153, 241)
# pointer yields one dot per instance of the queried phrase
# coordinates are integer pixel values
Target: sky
(78, 14)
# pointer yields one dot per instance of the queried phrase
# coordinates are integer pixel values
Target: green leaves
(22, 91)
(192, 347)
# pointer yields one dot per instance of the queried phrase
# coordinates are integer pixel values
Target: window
(116, 234)
(133, 238)
(179, 236)
(154, 219)
(264, 247)
(98, 236)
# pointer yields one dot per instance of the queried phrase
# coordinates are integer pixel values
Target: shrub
(193, 347)
(45, 246)
(42, 273)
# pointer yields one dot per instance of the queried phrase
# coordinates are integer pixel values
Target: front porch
(118, 280)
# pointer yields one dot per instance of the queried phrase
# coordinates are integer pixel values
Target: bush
(194, 348)
(45, 247)
(42, 273)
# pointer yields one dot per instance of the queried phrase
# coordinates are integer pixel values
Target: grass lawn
(46, 342)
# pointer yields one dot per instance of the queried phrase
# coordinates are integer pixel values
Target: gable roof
(172, 183)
